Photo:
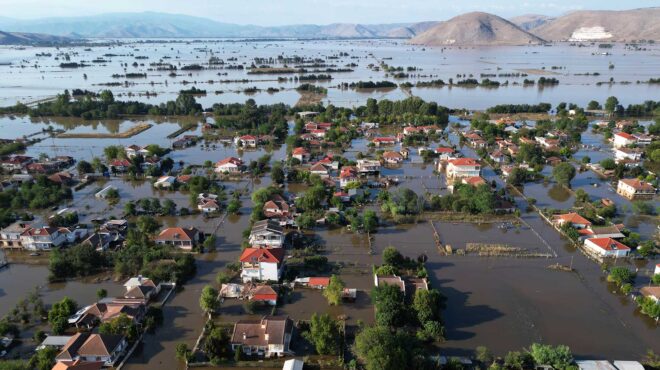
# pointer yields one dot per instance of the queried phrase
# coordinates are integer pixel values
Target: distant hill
(529, 21)
(587, 25)
(476, 28)
(20, 38)
(151, 24)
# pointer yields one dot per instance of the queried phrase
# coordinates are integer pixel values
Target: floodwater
(35, 73)
(502, 303)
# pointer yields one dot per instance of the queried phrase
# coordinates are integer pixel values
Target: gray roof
(265, 226)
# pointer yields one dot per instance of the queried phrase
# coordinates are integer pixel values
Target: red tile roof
(232, 160)
(573, 218)
(178, 233)
(463, 162)
(319, 281)
(608, 244)
(638, 184)
(274, 255)
(625, 135)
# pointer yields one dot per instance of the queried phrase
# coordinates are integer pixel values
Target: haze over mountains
(475, 28)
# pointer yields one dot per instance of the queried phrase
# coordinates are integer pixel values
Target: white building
(229, 165)
(43, 238)
(606, 247)
(622, 139)
(262, 264)
(463, 167)
(267, 233)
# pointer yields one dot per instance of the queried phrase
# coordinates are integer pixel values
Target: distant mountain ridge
(151, 24)
(476, 29)
(530, 21)
(22, 38)
(470, 29)
(603, 25)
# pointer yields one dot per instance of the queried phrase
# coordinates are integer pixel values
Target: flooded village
(226, 203)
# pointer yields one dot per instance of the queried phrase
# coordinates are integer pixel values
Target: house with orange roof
(78, 365)
(229, 165)
(634, 189)
(261, 293)
(90, 347)
(606, 247)
(381, 141)
(262, 264)
(622, 139)
(574, 219)
(42, 238)
(392, 157)
(183, 237)
(463, 167)
(300, 154)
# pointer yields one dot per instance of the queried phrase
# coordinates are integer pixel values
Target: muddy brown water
(502, 303)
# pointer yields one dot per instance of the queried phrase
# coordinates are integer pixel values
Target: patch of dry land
(309, 98)
(138, 128)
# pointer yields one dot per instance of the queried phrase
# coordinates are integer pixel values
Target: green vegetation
(103, 106)
(333, 292)
(41, 194)
(79, 260)
(250, 118)
(324, 334)
(520, 108)
(563, 173)
(59, 314)
(208, 301)
(466, 199)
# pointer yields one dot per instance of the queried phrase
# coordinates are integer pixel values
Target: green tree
(611, 104)
(563, 173)
(277, 173)
(217, 344)
(44, 359)
(147, 224)
(428, 305)
(324, 334)
(182, 352)
(388, 301)
(84, 167)
(392, 257)
(59, 314)
(333, 292)
(209, 299)
(369, 221)
(484, 355)
(559, 357)
(621, 275)
(101, 293)
(380, 349)
(120, 325)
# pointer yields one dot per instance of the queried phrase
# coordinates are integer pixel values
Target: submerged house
(184, 238)
(262, 264)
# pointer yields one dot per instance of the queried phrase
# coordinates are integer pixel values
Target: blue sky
(280, 12)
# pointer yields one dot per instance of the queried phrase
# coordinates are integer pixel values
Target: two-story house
(42, 238)
(184, 238)
(262, 264)
(267, 234)
(93, 347)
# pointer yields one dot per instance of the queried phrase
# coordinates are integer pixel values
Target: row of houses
(600, 241)
(89, 350)
(23, 236)
(27, 164)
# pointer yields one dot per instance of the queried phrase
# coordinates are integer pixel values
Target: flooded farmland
(27, 77)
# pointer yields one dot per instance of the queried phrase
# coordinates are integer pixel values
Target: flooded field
(27, 77)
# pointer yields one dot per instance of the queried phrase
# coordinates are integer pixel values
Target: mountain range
(476, 28)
